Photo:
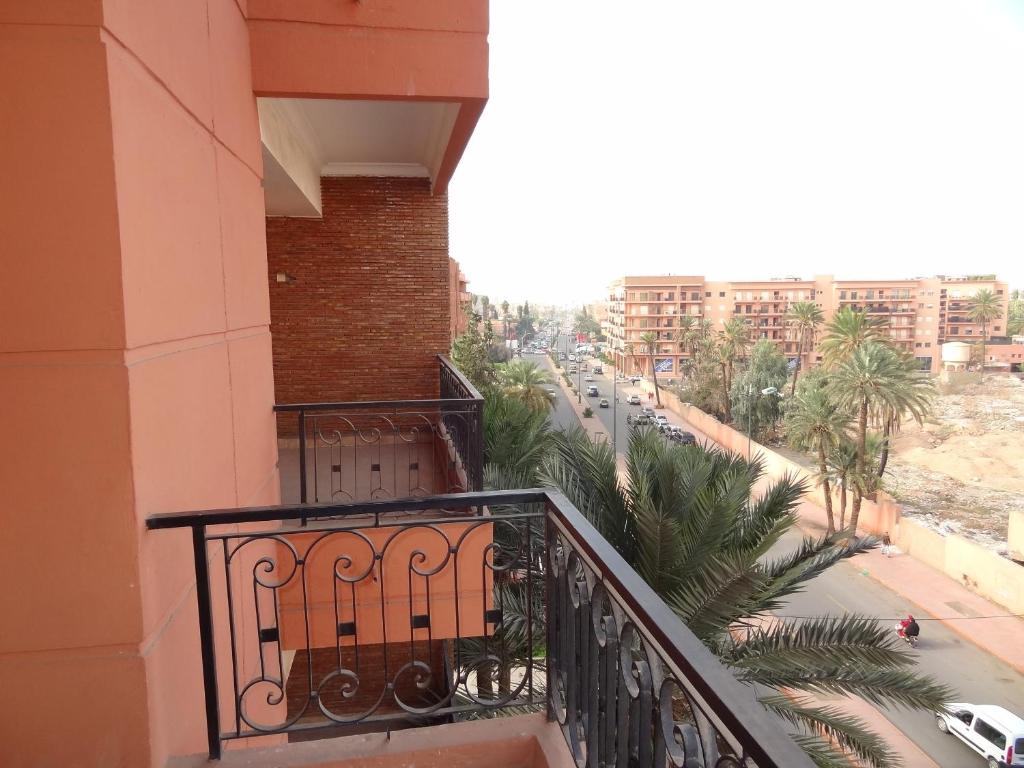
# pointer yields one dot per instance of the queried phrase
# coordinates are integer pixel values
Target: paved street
(846, 588)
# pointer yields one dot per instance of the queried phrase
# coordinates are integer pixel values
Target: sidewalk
(935, 593)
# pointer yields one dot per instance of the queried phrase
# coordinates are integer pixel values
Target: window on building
(694, 296)
(853, 294)
(995, 327)
(721, 294)
(927, 344)
(707, 294)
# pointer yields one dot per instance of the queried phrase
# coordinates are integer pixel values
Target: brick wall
(366, 306)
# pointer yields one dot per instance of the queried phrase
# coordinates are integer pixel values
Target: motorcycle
(910, 640)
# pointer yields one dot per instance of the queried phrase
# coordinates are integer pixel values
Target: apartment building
(920, 314)
(240, 482)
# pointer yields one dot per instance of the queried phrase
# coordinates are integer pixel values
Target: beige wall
(981, 570)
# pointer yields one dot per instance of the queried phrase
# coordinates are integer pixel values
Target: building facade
(920, 313)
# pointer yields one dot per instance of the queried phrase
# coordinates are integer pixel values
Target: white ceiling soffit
(309, 138)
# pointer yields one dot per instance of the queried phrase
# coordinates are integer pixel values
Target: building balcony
(386, 449)
(333, 620)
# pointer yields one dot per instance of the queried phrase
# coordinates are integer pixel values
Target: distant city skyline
(796, 138)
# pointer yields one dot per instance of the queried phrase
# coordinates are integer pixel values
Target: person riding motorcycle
(909, 628)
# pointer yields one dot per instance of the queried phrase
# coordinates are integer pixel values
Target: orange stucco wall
(136, 361)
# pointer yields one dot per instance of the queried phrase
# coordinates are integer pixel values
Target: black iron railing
(387, 449)
(429, 609)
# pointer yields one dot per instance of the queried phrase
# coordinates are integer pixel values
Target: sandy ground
(963, 470)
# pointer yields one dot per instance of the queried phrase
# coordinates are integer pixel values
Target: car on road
(592, 391)
(661, 421)
(633, 399)
(636, 379)
(648, 412)
(598, 369)
(639, 420)
(680, 435)
(588, 377)
(551, 394)
(572, 369)
(996, 734)
(603, 403)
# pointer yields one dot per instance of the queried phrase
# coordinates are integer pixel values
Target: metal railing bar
(460, 377)
(727, 699)
(449, 501)
(385, 523)
(419, 405)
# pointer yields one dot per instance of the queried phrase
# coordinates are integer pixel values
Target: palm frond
(833, 726)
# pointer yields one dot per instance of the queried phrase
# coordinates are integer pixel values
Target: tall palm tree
(516, 440)
(523, 380)
(847, 331)
(814, 423)
(686, 337)
(804, 317)
(876, 377)
(650, 342)
(985, 307)
(733, 340)
(686, 519)
(842, 464)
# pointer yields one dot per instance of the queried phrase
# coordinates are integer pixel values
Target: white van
(993, 732)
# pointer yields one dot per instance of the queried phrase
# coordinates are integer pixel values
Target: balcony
(340, 619)
(386, 449)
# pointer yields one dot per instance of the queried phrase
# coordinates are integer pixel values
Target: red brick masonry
(365, 306)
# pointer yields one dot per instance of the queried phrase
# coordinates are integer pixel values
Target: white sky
(747, 139)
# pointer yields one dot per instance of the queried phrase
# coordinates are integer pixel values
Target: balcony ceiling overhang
(304, 139)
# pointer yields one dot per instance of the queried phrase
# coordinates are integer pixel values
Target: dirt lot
(963, 470)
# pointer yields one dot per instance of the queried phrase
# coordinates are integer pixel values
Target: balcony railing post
(476, 448)
(302, 457)
(206, 639)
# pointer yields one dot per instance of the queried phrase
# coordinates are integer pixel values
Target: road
(845, 588)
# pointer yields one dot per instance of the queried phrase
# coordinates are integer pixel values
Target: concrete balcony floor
(521, 741)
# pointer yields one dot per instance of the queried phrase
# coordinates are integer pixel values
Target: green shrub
(588, 412)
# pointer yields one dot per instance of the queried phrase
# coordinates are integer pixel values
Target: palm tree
(842, 463)
(733, 340)
(847, 331)
(523, 380)
(814, 423)
(876, 377)
(686, 336)
(985, 307)
(804, 317)
(516, 440)
(650, 342)
(686, 520)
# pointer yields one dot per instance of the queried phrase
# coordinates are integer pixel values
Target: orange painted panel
(74, 708)
(460, 588)
(168, 211)
(255, 428)
(66, 505)
(452, 15)
(234, 105)
(183, 458)
(61, 286)
(317, 60)
(170, 38)
(79, 12)
(244, 243)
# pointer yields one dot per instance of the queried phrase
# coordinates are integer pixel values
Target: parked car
(604, 402)
(633, 399)
(638, 420)
(661, 421)
(647, 411)
(592, 391)
(993, 732)
(681, 436)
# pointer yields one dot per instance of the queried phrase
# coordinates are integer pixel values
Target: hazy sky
(743, 140)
